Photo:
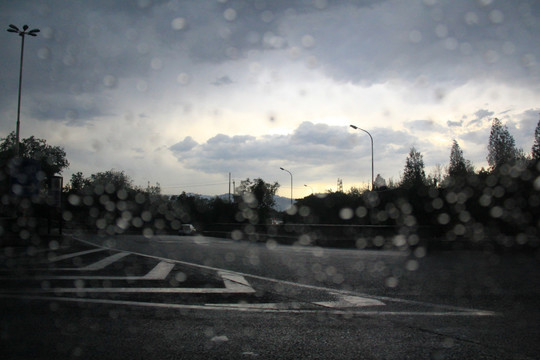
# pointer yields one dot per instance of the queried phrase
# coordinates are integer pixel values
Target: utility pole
(33, 32)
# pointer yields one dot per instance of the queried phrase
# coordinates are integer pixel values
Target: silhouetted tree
(112, 180)
(414, 174)
(458, 166)
(535, 151)
(258, 195)
(78, 182)
(380, 182)
(501, 147)
(52, 159)
(153, 189)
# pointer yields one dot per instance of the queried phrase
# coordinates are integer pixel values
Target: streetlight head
(33, 32)
(25, 27)
(281, 168)
(354, 127)
(13, 27)
(13, 30)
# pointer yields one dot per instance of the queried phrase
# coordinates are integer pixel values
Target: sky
(184, 93)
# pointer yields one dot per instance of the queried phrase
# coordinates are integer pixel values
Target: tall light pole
(22, 33)
(310, 188)
(291, 183)
(371, 137)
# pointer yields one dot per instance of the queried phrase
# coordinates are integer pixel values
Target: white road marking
(348, 301)
(105, 262)
(69, 256)
(235, 282)
(72, 277)
(259, 308)
(160, 271)
(439, 310)
(127, 290)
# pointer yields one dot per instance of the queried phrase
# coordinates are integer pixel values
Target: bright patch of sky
(185, 92)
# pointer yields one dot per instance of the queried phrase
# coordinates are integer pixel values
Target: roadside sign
(55, 191)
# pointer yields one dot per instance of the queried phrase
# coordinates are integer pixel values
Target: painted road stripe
(263, 308)
(69, 256)
(348, 301)
(127, 290)
(105, 262)
(442, 310)
(72, 277)
(160, 271)
(236, 282)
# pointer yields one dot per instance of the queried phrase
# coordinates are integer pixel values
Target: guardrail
(326, 235)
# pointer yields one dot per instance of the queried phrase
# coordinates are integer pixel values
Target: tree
(264, 192)
(153, 189)
(111, 180)
(414, 174)
(258, 195)
(78, 181)
(535, 151)
(380, 182)
(458, 166)
(52, 159)
(501, 147)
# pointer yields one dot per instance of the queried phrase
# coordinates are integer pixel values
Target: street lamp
(310, 188)
(291, 183)
(371, 137)
(25, 31)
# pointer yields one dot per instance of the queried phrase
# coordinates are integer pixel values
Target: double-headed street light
(291, 183)
(22, 33)
(371, 137)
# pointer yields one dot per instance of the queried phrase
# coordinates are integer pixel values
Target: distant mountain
(282, 203)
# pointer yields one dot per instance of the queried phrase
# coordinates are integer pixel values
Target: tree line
(500, 203)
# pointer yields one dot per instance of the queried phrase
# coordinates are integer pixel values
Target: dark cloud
(68, 108)
(224, 80)
(88, 47)
(311, 147)
(481, 116)
(449, 41)
(455, 123)
(183, 146)
(321, 135)
(522, 127)
(246, 151)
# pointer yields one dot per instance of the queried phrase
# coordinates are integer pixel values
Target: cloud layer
(184, 92)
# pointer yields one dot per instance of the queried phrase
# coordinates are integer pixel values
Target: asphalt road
(196, 297)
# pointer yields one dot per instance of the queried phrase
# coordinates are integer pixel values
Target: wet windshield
(272, 179)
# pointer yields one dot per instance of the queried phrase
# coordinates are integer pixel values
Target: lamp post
(310, 188)
(291, 183)
(22, 33)
(371, 137)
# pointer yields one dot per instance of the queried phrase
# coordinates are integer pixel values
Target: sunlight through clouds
(177, 92)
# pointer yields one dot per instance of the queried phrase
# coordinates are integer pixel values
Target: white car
(187, 229)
